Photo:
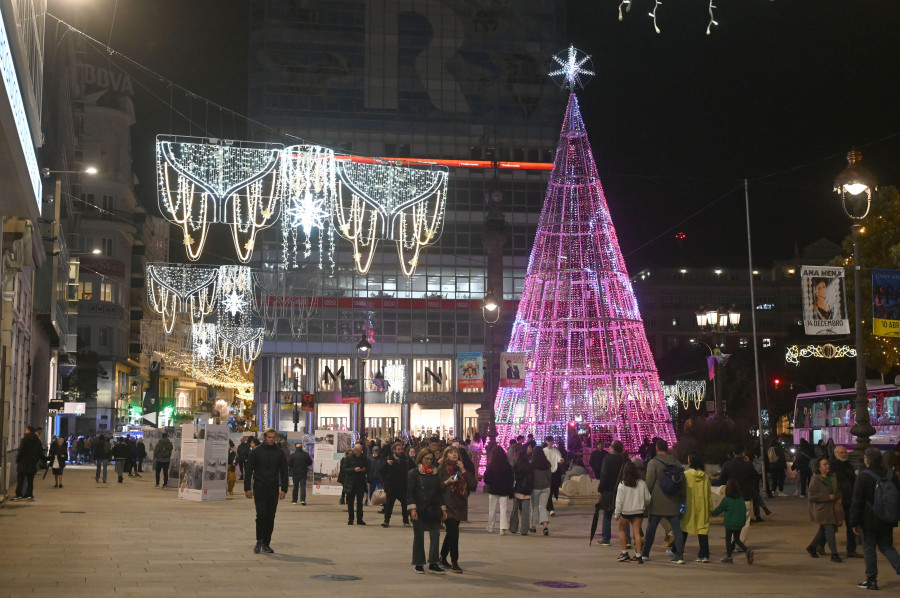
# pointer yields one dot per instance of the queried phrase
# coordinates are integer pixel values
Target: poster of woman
(824, 301)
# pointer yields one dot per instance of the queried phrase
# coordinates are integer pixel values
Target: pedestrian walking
(824, 509)
(102, 454)
(777, 467)
(665, 480)
(426, 509)
(140, 455)
(522, 489)
(697, 505)
(610, 475)
(876, 529)
(740, 469)
(498, 483)
(845, 476)
(540, 467)
(374, 468)
(632, 500)
(735, 509)
(162, 455)
(57, 458)
(266, 482)
(120, 453)
(557, 469)
(243, 451)
(355, 469)
(231, 478)
(457, 481)
(30, 453)
(803, 459)
(300, 463)
(394, 474)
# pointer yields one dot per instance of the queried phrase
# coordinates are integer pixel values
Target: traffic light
(777, 383)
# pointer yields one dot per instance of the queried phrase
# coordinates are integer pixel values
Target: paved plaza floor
(90, 539)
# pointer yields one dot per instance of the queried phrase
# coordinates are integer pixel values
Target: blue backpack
(672, 478)
(886, 505)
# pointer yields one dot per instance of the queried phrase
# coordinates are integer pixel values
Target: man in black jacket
(874, 531)
(846, 477)
(266, 469)
(243, 451)
(742, 470)
(394, 470)
(355, 482)
(596, 459)
(30, 453)
(608, 482)
(300, 463)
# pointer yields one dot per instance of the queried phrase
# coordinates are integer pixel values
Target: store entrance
(382, 427)
(333, 423)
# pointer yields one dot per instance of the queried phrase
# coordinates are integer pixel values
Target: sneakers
(267, 549)
(406, 524)
(420, 569)
(303, 502)
(624, 558)
(638, 559)
(752, 555)
(435, 568)
(546, 532)
(646, 557)
(30, 499)
(444, 562)
(726, 559)
(553, 513)
(490, 529)
(811, 550)
(385, 524)
(257, 548)
(677, 560)
(605, 544)
(670, 553)
(293, 502)
(869, 584)
(701, 560)
(836, 559)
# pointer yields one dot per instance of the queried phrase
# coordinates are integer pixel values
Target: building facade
(447, 80)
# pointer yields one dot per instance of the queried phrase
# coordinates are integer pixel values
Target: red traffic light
(776, 382)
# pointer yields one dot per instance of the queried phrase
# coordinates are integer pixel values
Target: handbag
(379, 497)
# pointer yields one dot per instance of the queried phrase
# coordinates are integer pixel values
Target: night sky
(777, 94)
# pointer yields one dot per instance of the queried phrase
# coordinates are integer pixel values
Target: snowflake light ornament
(234, 303)
(576, 69)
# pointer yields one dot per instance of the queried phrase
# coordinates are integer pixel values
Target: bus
(830, 414)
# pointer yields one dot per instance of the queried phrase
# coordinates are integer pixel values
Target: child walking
(632, 499)
(735, 515)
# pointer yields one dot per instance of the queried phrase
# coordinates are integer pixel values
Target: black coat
(424, 493)
(30, 453)
(141, 451)
(596, 462)
(861, 513)
(120, 451)
(300, 463)
(395, 475)
(524, 476)
(846, 477)
(498, 477)
(609, 473)
(267, 467)
(743, 471)
(61, 452)
(355, 481)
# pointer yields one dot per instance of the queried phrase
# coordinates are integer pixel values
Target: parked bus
(830, 414)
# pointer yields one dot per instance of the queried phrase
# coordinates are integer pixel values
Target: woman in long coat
(457, 481)
(425, 500)
(824, 500)
(57, 455)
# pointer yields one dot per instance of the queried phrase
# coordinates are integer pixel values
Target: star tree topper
(576, 69)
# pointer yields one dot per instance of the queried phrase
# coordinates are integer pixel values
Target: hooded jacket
(698, 502)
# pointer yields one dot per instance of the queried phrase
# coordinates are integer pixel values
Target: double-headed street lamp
(363, 350)
(717, 321)
(855, 186)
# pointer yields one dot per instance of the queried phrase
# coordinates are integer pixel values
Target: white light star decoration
(576, 69)
(234, 303)
(308, 189)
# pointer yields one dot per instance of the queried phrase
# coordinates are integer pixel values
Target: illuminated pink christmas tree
(589, 362)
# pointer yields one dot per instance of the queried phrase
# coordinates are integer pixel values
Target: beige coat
(821, 506)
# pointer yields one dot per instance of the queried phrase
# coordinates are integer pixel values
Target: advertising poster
(330, 448)
(350, 390)
(824, 301)
(308, 402)
(512, 370)
(470, 370)
(886, 303)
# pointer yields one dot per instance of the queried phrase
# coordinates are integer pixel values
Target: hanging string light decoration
(578, 320)
(204, 339)
(395, 375)
(390, 202)
(691, 391)
(308, 188)
(285, 296)
(656, 3)
(203, 181)
(793, 353)
(671, 393)
(238, 334)
(174, 289)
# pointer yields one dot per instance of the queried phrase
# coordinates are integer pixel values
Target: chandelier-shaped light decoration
(691, 391)
(238, 335)
(390, 202)
(203, 181)
(308, 189)
(578, 320)
(204, 340)
(285, 296)
(173, 289)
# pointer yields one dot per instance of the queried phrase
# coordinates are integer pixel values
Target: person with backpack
(101, 456)
(874, 515)
(665, 480)
(162, 455)
(742, 470)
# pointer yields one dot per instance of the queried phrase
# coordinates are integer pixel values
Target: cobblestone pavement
(90, 539)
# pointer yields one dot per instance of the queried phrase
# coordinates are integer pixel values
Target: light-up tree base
(578, 321)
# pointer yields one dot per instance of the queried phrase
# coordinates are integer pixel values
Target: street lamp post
(490, 311)
(363, 349)
(855, 185)
(717, 321)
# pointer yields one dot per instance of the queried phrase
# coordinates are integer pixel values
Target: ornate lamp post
(855, 186)
(363, 350)
(490, 311)
(717, 321)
